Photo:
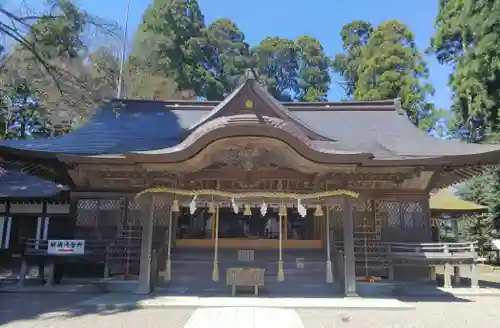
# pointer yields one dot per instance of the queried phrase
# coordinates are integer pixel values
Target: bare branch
(29, 46)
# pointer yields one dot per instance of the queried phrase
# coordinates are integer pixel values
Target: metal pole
(124, 52)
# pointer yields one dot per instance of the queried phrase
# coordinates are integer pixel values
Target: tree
(229, 56)
(354, 36)
(468, 38)
(391, 66)
(481, 190)
(168, 43)
(46, 47)
(277, 61)
(314, 78)
(138, 83)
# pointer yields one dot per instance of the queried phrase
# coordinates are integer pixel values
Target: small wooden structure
(446, 209)
(245, 277)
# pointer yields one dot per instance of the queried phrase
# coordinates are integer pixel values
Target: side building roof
(19, 185)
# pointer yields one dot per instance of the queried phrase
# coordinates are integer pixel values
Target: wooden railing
(388, 249)
(445, 248)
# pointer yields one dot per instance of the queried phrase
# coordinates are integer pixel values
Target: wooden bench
(245, 277)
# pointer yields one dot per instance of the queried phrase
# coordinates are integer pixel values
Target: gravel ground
(472, 312)
(55, 311)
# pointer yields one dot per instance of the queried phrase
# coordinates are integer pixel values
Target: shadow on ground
(39, 306)
(26, 306)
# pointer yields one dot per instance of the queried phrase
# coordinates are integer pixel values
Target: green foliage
(484, 190)
(174, 42)
(170, 41)
(293, 69)
(277, 61)
(229, 56)
(313, 64)
(384, 63)
(392, 67)
(354, 36)
(468, 38)
(60, 34)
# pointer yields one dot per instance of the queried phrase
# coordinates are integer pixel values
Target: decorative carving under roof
(248, 158)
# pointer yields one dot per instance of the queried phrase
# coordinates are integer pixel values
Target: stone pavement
(427, 313)
(124, 301)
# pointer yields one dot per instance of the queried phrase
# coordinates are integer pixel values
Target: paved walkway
(427, 313)
(136, 301)
(246, 317)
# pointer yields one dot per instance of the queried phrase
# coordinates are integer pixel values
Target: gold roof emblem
(248, 104)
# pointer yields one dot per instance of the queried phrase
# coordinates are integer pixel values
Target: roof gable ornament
(252, 96)
(398, 106)
(253, 74)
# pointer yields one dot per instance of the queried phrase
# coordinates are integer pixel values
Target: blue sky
(322, 19)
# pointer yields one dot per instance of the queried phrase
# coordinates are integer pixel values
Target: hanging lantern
(282, 211)
(175, 206)
(318, 211)
(248, 210)
(211, 208)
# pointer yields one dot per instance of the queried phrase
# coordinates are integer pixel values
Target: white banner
(66, 247)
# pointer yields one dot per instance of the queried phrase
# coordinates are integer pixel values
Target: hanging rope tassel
(329, 269)
(215, 271)
(281, 274)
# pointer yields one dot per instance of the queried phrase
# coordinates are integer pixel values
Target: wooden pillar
(146, 245)
(474, 283)
(456, 275)
(447, 275)
(2, 225)
(175, 226)
(349, 260)
(7, 232)
(168, 265)
(432, 273)
(39, 223)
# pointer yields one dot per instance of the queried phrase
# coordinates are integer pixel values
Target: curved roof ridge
(263, 93)
(251, 91)
(221, 105)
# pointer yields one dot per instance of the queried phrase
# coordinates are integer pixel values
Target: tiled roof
(372, 127)
(137, 126)
(17, 184)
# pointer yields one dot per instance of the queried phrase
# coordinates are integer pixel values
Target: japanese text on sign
(66, 247)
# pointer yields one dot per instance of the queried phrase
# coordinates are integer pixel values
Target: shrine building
(322, 194)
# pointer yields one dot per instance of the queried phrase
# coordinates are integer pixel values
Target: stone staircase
(304, 272)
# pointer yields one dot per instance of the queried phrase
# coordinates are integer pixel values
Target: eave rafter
(45, 169)
(452, 175)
